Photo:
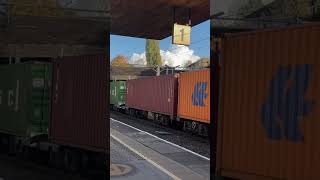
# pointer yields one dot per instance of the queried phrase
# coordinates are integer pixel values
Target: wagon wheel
(59, 158)
(194, 127)
(52, 157)
(164, 121)
(25, 152)
(71, 161)
(84, 161)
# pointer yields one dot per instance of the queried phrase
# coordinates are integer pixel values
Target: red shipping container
(80, 102)
(156, 94)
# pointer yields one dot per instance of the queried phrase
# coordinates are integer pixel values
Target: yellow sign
(181, 34)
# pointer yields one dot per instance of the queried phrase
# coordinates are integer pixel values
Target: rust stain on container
(80, 102)
(194, 95)
(156, 94)
(269, 107)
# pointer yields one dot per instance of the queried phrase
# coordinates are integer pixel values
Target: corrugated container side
(118, 92)
(80, 102)
(41, 75)
(269, 114)
(112, 96)
(154, 94)
(194, 95)
(25, 99)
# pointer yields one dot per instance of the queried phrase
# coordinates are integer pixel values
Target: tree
(120, 61)
(201, 63)
(153, 53)
(249, 7)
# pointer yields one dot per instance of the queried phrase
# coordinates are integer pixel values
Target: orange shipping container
(194, 95)
(269, 126)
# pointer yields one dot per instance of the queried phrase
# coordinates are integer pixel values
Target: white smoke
(177, 55)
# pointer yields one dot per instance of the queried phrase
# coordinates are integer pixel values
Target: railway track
(194, 143)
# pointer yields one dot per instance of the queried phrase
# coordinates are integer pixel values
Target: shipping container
(269, 106)
(194, 96)
(156, 94)
(80, 102)
(118, 92)
(25, 99)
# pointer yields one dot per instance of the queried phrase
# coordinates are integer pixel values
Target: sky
(134, 48)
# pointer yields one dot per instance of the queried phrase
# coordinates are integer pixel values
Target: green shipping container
(118, 92)
(25, 99)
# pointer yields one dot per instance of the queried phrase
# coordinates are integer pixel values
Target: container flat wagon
(79, 118)
(194, 101)
(269, 105)
(25, 101)
(180, 100)
(154, 97)
(58, 108)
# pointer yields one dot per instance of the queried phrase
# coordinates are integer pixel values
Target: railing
(291, 12)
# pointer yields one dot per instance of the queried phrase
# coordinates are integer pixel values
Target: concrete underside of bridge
(51, 37)
(154, 19)
(44, 36)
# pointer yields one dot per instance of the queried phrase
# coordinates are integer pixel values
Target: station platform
(12, 168)
(126, 165)
(136, 154)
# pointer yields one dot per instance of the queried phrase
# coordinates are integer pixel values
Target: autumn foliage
(120, 61)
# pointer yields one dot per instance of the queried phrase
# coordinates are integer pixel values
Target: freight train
(181, 100)
(52, 112)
